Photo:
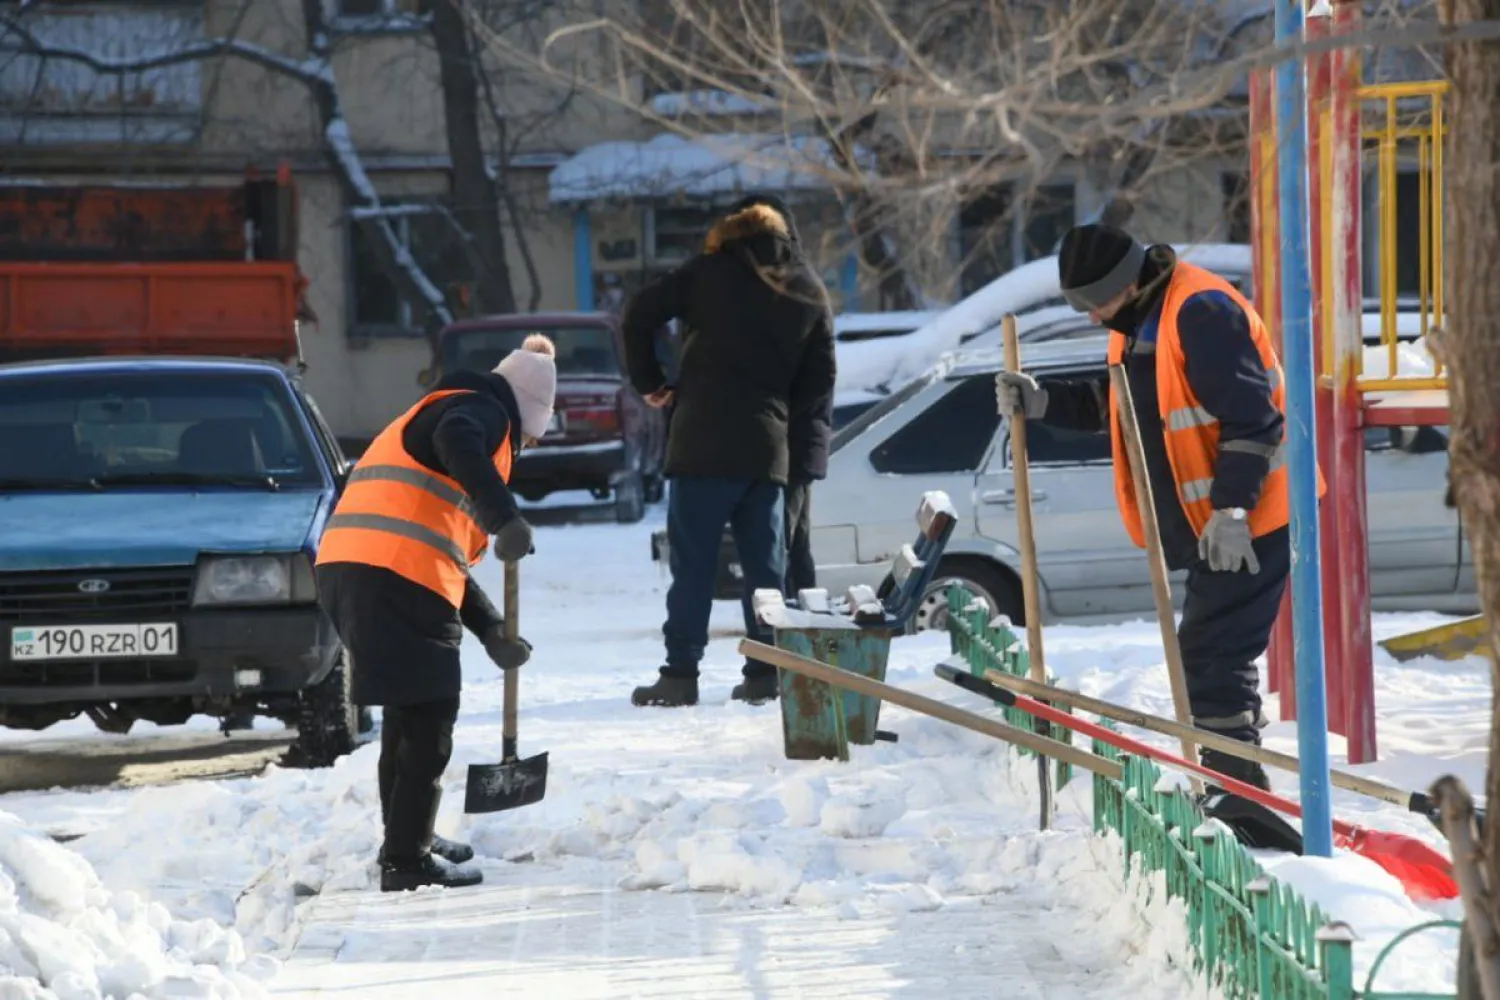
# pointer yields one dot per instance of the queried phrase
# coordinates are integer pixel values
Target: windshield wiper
(48, 483)
(187, 479)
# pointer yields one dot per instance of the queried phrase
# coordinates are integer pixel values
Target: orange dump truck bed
(240, 309)
(143, 269)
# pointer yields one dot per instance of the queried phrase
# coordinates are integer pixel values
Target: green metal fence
(1251, 935)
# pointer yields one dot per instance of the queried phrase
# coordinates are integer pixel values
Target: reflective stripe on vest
(399, 515)
(1191, 431)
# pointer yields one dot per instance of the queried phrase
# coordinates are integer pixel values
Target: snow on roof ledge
(707, 165)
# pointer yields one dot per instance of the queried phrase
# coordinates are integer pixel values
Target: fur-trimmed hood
(746, 224)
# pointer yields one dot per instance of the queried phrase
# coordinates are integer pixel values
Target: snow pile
(64, 936)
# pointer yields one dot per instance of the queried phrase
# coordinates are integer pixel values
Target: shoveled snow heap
(64, 935)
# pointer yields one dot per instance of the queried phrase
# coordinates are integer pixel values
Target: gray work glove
(513, 541)
(1017, 392)
(1225, 543)
(506, 654)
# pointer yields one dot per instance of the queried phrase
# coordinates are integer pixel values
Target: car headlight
(275, 579)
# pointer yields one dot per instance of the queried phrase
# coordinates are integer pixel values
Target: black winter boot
(428, 870)
(450, 851)
(669, 691)
(1247, 771)
(757, 689)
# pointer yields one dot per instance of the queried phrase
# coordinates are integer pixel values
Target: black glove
(513, 541)
(507, 654)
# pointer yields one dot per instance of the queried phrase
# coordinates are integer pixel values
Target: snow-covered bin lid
(934, 502)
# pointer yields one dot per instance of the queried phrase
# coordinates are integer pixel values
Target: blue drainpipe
(583, 260)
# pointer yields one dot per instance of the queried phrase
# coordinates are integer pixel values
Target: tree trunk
(1471, 346)
(476, 201)
(869, 218)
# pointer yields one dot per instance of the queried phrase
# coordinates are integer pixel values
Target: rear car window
(581, 350)
(952, 435)
(167, 424)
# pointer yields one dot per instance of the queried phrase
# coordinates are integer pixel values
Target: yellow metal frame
(1389, 139)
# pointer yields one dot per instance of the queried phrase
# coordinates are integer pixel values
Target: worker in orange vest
(1211, 405)
(393, 574)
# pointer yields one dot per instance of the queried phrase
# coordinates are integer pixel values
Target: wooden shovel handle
(512, 677)
(1161, 587)
(1031, 599)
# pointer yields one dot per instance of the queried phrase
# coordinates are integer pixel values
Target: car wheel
(981, 578)
(328, 722)
(630, 499)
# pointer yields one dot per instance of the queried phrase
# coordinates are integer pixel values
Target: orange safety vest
(1192, 432)
(400, 515)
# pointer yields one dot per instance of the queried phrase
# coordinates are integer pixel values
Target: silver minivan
(941, 432)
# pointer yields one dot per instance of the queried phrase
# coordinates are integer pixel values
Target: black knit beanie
(1097, 263)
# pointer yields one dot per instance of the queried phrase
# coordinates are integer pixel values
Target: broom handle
(1415, 801)
(512, 677)
(787, 660)
(1161, 589)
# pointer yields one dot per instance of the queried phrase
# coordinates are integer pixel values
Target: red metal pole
(1351, 498)
(1318, 24)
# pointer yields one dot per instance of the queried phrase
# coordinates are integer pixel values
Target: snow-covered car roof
(901, 321)
(1031, 288)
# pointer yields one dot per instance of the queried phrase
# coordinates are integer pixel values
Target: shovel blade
(508, 785)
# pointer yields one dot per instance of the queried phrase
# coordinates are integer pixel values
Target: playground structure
(1354, 131)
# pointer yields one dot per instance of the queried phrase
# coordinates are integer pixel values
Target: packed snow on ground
(677, 852)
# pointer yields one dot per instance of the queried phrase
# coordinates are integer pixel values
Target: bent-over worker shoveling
(393, 575)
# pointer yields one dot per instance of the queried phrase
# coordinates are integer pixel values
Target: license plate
(92, 642)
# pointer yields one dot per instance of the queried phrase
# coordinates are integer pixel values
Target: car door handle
(1008, 496)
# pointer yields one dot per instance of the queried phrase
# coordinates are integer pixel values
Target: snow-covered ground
(677, 853)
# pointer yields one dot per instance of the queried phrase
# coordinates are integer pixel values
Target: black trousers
(416, 742)
(1226, 626)
(801, 569)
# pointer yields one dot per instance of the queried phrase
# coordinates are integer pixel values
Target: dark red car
(604, 438)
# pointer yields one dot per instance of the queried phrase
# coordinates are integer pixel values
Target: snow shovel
(513, 782)
(1031, 601)
(798, 664)
(1417, 802)
(1161, 589)
(1423, 872)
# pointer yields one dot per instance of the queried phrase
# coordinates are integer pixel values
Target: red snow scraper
(1423, 872)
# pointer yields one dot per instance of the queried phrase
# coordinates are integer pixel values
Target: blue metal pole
(583, 261)
(1297, 359)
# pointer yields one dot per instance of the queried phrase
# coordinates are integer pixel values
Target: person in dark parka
(755, 362)
(393, 575)
(808, 436)
(1209, 403)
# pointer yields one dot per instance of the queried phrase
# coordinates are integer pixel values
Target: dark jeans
(416, 742)
(1226, 625)
(697, 511)
(801, 570)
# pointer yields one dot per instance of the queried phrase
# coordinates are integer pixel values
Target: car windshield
(868, 418)
(582, 351)
(151, 429)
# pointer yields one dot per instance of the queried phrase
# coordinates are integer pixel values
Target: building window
(367, 12)
(677, 233)
(1235, 187)
(999, 230)
(379, 308)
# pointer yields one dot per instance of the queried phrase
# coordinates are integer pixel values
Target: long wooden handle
(1161, 587)
(1203, 737)
(1031, 599)
(512, 677)
(787, 660)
